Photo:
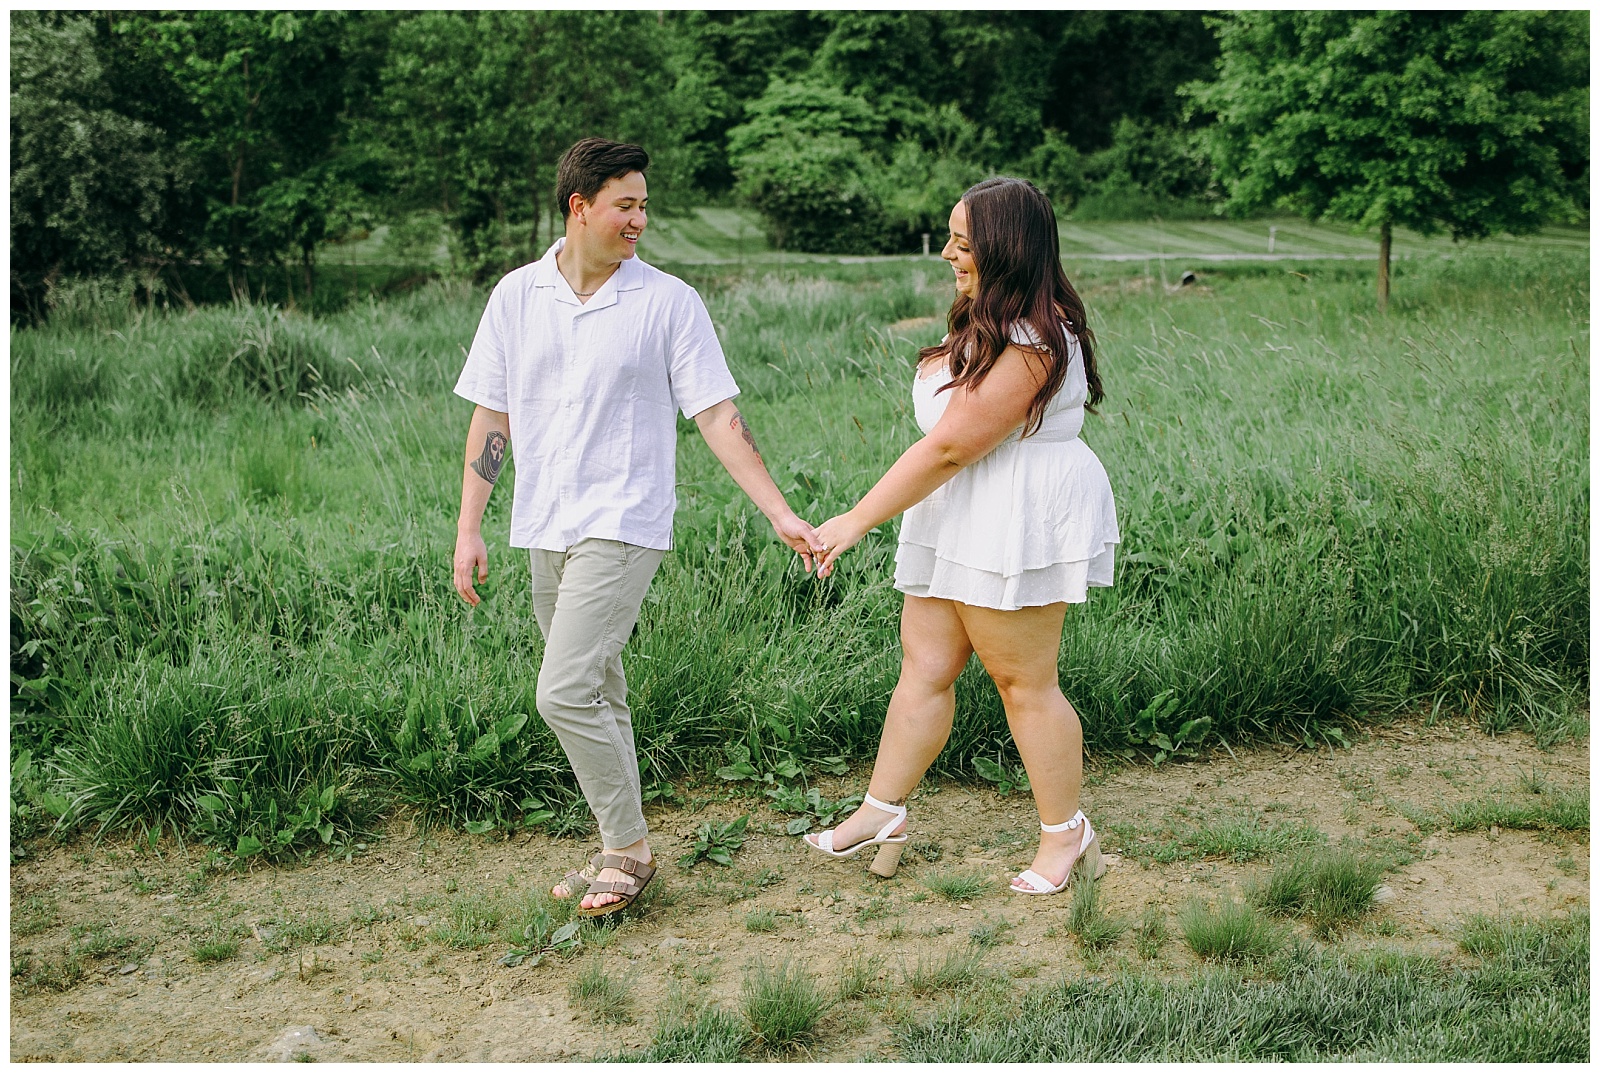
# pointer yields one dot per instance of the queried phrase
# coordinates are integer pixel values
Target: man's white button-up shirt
(591, 391)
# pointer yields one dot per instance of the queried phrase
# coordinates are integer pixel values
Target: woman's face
(958, 251)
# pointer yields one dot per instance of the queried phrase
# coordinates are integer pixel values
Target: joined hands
(834, 537)
(799, 536)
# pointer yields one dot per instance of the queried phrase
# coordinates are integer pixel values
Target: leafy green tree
(477, 108)
(800, 161)
(1056, 166)
(256, 102)
(726, 59)
(992, 66)
(1474, 122)
(1148, 170)
(1111, 65)
(88, 183)
(926, 175)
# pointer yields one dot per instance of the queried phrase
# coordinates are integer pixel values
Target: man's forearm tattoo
(487, 465)
(743, 428)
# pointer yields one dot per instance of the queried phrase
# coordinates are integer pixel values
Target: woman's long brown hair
(1017, 252)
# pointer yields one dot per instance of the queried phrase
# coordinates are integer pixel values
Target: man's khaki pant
(586, 600)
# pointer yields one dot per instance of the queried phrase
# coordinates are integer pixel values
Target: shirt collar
(629, 276)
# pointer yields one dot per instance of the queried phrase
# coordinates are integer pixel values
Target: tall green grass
(232, 530)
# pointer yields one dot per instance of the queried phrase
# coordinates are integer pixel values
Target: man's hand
(798, 535)
(471, 554)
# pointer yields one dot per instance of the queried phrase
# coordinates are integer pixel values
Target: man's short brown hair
(592, 163)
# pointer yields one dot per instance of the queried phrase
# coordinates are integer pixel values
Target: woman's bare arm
(975, 422)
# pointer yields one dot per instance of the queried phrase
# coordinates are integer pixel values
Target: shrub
(1148, 170)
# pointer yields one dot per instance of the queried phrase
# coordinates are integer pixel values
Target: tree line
(144, 143)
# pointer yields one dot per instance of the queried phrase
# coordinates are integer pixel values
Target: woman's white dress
(1032, 522)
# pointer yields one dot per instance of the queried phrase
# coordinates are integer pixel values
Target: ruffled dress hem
(920, 571)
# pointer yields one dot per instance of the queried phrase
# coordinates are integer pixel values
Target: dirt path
(377, 984)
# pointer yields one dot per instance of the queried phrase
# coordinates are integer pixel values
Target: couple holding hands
(580, 361)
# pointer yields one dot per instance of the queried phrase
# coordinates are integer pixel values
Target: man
(578, 364)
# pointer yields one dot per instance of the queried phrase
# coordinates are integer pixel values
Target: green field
(232, 531)
(721, 236)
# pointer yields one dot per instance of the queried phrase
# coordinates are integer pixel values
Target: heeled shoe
(887, 861)
(1087, 861)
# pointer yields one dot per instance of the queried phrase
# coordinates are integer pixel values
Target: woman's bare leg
(1020, 649)
(934, 649)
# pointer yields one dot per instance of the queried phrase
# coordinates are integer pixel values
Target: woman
(1008, 518)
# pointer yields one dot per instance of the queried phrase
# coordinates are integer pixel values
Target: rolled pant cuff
(627, 837)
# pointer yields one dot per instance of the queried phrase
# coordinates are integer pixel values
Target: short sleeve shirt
(593, 392)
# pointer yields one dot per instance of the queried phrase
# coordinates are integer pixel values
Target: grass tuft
(1087, 920)
(782, 1004)
(761, 921)
(47, 974)
(855, 977)
(1229, 932)
(100, 940)
(1565, 810)
(34, 914)
(292, 932)
(956, 971)
(216, 950)
(1151, 933)
(1330, 889)
(471, 921)
(1527, 941)
(601, 998)
(957, 886)
(989, 933)
(694, 1034)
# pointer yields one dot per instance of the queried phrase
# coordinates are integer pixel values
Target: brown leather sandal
(639, 875)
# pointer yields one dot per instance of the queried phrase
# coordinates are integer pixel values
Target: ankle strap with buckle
(898, 810)
(1070, 825)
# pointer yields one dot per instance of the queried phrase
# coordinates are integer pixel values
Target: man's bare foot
(864, 823)
(639, 851)
(1058, 852)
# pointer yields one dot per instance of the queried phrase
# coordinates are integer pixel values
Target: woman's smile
(958, 251)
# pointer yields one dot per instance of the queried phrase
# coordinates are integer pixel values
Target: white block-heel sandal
(888, 859)
(1088, 861)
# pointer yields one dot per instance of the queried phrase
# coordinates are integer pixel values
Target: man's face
(613, 222)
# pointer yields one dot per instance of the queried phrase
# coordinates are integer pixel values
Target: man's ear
(576, 203)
